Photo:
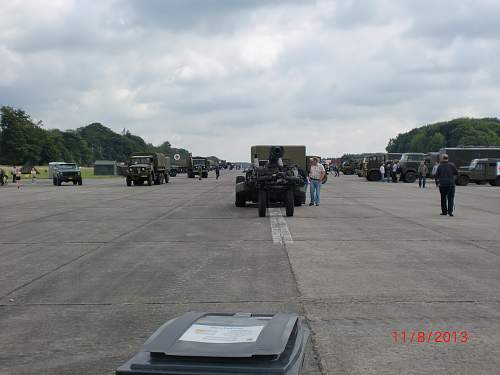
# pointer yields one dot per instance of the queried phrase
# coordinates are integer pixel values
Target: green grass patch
(87, 172)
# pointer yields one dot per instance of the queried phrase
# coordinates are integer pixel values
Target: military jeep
(66, 172)
(277, 175)
(480, 171)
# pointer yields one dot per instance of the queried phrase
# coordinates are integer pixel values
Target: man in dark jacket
(445, 174)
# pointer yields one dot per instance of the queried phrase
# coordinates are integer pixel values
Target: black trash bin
(222, 343)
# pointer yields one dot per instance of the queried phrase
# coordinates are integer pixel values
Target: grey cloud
(202, 73)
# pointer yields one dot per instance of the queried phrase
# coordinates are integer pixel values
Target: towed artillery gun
(277, 175)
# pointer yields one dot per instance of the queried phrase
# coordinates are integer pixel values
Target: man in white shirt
(382, 172)
(316, 175)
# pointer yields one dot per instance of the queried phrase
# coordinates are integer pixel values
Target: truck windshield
(67, 166)
(140, 160)
(412, 157)
(473, 164)
(198, 162)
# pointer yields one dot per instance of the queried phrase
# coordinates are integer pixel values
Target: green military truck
(371, 166)
(409, 164)
(197, 165)
(151, 168)
(277, 175)
(480, 171)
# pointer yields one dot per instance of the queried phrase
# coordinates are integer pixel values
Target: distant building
(105, 168)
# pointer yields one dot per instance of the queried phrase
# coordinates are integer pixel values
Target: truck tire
(80, 181)
(240, 200)
(204, 175)
(54, 181)
(373, 176)
(262, 203)
(297, 200)
(240, 179)
(172, 173)
(150, 180)
(59, 182)
(190, 174)
(290, 203)
(75, 182)
(495, 182)
(410, 177)
(129, 181)
(462, 180)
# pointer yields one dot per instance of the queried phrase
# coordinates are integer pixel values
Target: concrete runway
(88, 273)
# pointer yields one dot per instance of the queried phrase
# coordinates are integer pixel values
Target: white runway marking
(279, 227)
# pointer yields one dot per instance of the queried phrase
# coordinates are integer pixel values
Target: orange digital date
(430, 337)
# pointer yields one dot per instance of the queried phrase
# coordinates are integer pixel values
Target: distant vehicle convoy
(149, 168)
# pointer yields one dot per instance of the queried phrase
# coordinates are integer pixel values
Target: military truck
(150, 168)
(480, 171)
(409, 164)
(65, 172)
(277, 175)
(197, 165)
(347, 167)
(462, 156)
(371, 166)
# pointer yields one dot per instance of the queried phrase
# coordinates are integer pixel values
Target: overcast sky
(218, 76)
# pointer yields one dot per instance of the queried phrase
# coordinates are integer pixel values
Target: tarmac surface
(87, 273)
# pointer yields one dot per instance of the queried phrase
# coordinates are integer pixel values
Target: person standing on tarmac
(445, 174)
(217, 172)
(394, 171)
(316, 175)
(2, 176)
(382, 172)
(422, 174)
(13, 172)
(434, 170)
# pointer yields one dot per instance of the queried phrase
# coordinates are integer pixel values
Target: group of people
(390, 171)
(16, 174)
(444, 174)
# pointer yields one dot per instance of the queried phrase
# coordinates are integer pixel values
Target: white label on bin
(221, 334)
(498, 168)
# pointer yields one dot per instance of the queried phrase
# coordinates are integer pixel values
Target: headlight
(130, 169)
(143, 169)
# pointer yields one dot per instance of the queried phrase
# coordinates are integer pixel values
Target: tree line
(454, 133)
(23, 141)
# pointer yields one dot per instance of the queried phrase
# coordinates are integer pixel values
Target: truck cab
(197, 166)
(409, 165)
(150, 168)
(480, 171)
(66, 172)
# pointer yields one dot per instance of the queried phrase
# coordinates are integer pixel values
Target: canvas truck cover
(294, 154)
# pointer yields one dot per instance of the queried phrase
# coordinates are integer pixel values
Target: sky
(217, 76)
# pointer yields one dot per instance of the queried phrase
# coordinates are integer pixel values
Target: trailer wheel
(495, 182)
(262, 203)
(240, 200)
(290, 201)
(129, 181)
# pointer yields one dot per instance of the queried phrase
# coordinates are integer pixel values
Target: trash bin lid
(223, 342)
